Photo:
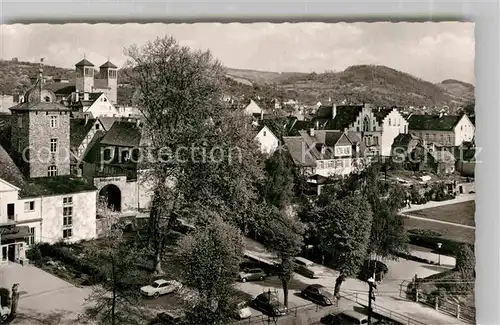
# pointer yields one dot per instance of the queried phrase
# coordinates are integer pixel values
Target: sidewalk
(433, 204)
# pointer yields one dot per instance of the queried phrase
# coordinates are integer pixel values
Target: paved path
(433, 204)
(437, 221)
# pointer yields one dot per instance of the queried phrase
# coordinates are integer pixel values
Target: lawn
(461, 213)
(456, 233)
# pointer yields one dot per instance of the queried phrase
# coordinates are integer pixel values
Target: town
(192, 203)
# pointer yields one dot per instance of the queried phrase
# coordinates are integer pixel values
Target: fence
(387, 313)
(313, 311)
(455, 309)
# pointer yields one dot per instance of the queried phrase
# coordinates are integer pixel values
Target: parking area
(44, 298)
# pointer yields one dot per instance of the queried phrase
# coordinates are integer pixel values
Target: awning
(14, 232)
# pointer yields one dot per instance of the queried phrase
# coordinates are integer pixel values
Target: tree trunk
(338, 284)
(113, 302)
(157, 267)
(285, 292)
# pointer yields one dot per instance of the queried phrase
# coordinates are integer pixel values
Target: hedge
(449, 247)
(62, 253)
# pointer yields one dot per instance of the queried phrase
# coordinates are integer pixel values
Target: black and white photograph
(238, 173)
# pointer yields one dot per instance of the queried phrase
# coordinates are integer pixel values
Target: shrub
(449, 247)
(425, 232)
(34, 254)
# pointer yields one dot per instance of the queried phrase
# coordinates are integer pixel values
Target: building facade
(445, 130)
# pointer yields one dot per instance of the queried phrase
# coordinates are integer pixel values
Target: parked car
(242, 311)
(318, 294)
(4, 313)
(348, 317)
(305, 268)
(160, 287)
(252, 275)
(268, 303)
(182, 226)
(171, 318)
(369, 266)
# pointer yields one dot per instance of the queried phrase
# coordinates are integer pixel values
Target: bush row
(63, 253)
(449, 247)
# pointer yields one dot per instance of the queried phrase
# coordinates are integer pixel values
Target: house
(441, 161)
(377, 127)
(253, 109)
(446, 130)
(267, 139)
(93, 104)
(465, 156)
(403, 145)
(114, 164)
(83, 134)
(326, 153)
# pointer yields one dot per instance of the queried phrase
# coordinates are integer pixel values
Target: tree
(209, 262)
(465, 266)
(278, 187)
(343, 228)
(179, 92)
(114, 301)
(284, 236)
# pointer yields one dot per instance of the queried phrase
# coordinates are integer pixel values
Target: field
(461, 213)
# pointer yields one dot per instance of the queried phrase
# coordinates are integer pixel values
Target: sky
(431, 51)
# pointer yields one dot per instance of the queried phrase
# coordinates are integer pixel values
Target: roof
(433, 122)
(345, 115)
(442, 156)
(403, 139)
(123, 134)
(84, 63)
(107, 122)
(79, 129)
(381, 113)
(160, 281)
(61, 88)
(9, 171)
(296, 126)
(92, 151)
(108, 64)
(59, 185)
(40, 106)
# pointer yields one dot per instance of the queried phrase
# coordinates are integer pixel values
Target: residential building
(441, 161)
(403, 145)
(252, 109)
(446, 130)
(268, 141)
(377, 127)
(326, 153)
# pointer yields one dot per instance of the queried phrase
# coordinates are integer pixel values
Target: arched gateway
(112, 195)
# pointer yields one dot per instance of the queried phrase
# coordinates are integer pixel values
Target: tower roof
(84, 63)
(108, 64)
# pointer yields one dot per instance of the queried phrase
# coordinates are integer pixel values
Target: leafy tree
(209, 262)
(115, 300)
(207, 152)
(343, 228)
(284, 237)
(465, 266)
(278, 187)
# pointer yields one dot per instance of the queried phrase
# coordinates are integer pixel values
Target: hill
(380, 85)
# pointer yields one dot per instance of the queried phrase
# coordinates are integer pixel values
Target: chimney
(334, 111)
(86, 118)
(261, 115)
(77, 96)
(311, 132)
(85, 96)
(138, 122)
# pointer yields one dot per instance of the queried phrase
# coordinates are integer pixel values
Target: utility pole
(371, 296)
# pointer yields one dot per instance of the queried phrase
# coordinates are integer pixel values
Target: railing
(383, 311)
(293, 313)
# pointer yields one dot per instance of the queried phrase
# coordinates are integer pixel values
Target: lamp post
(439, 253)
(372, 285)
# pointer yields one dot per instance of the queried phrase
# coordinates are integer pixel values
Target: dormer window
(97, 126)
(46, 99)
(105, 99)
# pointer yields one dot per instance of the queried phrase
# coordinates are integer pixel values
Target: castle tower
(84, 76)
(40, 134)
(109, 73)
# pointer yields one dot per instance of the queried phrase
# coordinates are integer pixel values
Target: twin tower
(106, 83)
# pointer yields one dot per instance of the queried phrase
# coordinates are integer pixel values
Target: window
(67, 216)
(46, 99)
(389, 122)
(376, 140)
(357, 129)
(19, 121)
(52, 171)
(11, 211)
(89, 72)
(29, 206)
(53, 145)
(321, 165)
(67, 233)
(264, 133)
(67, 201)
(105, 99)
(54, 121)
(449, 139)
(97, 126)
(374, 128)
(30, 240)
(405, 129)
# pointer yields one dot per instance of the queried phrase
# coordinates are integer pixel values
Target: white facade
(393, 125)
(464, 131)
(253, 108)
(267, 140)
(71, 217)
(102, 106)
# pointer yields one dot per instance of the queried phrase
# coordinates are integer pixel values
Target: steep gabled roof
(345, 115)
(433, 122)
(403, 139)
(79, 129)
(108, 64)
(61, 88)
(380, 114)
(9, 172)
(123, 134)
(107, 122)
(40, 106)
